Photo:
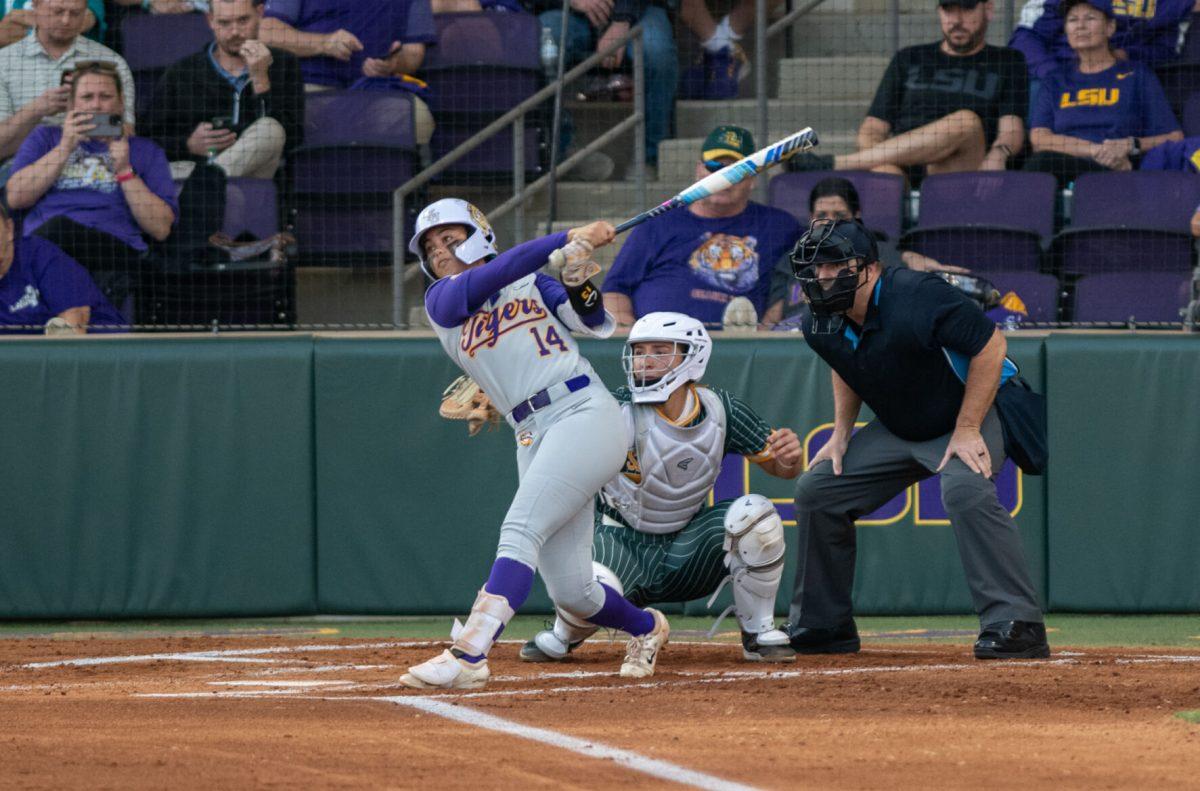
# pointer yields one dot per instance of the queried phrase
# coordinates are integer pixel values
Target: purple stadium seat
(1191, 116)
(1039, 292)
(484, 64)
(1121, 297)
(1135, 221)
(252, 207)
(359, 146)
(152, 42)
(985, 221)
(881, 195)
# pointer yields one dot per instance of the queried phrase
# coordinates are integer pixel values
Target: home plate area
(198, 712)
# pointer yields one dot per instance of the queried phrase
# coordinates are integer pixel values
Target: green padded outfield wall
(1125, 472)
(409, 507)
(147, 477)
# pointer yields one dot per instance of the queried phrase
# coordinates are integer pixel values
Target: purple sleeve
(285, 10)
(151, 165)
(450, 300)
(35, 146)
(63, 283)
(1157, 116)
(629, 268)
(418, 24)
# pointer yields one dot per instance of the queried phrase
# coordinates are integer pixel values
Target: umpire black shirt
(898, 361)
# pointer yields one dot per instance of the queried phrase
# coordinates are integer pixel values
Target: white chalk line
(663, 770)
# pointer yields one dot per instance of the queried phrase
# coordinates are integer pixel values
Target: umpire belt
(542, 398)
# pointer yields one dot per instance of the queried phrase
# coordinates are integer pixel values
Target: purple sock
(511, 579)
(618, 613)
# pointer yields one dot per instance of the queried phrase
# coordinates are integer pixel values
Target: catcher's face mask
(650, 361)
(830, 267)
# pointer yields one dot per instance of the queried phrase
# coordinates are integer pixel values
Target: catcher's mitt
(573, 263)
(463, 400)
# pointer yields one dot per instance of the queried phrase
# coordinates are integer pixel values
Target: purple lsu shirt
(43, 282)
(694, 265)
(87, 190)
(376, 23)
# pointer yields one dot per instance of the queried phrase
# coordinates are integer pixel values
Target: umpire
(928, 362)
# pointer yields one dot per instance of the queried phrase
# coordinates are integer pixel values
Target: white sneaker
(641, 654)
(446, 671)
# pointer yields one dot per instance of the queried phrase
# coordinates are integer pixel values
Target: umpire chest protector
(678, 466)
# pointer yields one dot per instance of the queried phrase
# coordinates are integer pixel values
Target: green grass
(1189, 716)
(1075, 630)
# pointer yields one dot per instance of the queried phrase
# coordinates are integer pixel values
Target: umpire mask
(832, 242)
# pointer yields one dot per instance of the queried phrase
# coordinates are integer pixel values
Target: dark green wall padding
(310, 473)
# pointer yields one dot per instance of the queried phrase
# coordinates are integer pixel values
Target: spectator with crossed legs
(951, 106)
(98, 199)
(1102, 112)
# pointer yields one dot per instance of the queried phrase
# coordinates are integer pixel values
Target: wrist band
(128, 175)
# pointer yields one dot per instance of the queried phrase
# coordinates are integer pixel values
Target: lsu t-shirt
(1125, 100)
(696, 265)
(42, 283)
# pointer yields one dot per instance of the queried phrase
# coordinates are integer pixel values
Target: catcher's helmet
(672, 328)
(481, 239)
(826, 243)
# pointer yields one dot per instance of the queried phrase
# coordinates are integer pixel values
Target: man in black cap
(949, 106)
(928, 362)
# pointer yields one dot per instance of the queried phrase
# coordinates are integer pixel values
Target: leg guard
(754, 554)
(489, 615)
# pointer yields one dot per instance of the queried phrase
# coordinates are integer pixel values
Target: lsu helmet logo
(728, 262)
(480, 220)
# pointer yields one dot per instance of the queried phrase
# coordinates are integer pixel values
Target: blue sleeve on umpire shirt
(451, 300)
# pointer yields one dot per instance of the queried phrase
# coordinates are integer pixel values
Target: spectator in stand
(723, 63)
(96, 198)
(18, 20)
(254, 92)
(697, 259)
(343, 43)
(951, 106)
(167, 6)
(595, 25)
(1101, 112)
(833, 199)
(41, 287)
(32, 71)
(1146, 32)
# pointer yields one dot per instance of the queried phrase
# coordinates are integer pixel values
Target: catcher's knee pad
(489, 615)
(590, 600)
(754, 549)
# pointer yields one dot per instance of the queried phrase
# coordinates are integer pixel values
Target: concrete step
(837, 34)
(832, 116)
(823, 79)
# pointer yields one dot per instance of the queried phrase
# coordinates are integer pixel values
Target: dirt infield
(197, 712)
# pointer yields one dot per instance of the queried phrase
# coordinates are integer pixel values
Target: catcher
(655, 538)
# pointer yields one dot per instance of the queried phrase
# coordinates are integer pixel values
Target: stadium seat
(1121, 297)
(152, 42)
(1039, 292)
(986, 221)
(1134, 221)
(251, 207)
(1190, 119)
(881, 194)
(1179, 81)
(484, 65)
(359, 146)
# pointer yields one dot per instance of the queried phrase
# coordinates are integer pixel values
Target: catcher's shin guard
(754, 550)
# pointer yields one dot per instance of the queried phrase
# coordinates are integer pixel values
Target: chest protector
(678, 466)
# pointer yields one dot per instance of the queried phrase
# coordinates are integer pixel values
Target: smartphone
(107, 125)
(222, 123)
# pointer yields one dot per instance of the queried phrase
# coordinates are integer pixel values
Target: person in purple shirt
(1146, 32)
(1103, 111)
(698, 259)
(43, 290)
(98, 198)
(340, 42)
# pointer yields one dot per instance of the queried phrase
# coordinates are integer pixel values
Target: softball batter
(508, 327)
(656, 540)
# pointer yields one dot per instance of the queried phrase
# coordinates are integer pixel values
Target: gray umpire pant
(877, 466)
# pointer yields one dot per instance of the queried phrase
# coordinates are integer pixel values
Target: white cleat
(641, 654)
(446, 671)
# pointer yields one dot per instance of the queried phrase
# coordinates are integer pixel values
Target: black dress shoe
(837, 640)
(1012, 640)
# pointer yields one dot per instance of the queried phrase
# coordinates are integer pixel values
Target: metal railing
(522, 191)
